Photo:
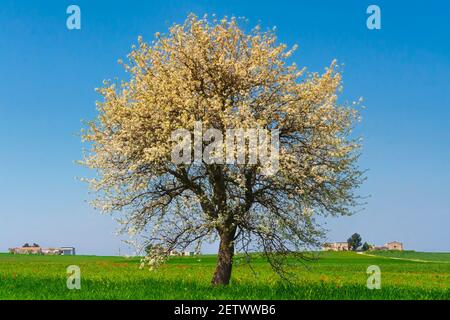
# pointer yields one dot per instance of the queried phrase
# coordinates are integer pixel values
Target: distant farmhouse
(26, 250)
(36, 249)
(336, 246)
(343, 246)
(394, 245)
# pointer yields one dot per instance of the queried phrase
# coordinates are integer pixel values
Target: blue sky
(48, 75)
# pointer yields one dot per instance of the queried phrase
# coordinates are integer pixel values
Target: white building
(67, 251)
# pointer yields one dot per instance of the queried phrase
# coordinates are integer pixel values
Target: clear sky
(48, 74)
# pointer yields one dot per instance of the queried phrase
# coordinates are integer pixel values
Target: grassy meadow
(334, 275)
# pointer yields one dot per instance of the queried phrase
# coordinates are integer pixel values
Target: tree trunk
(222, 274)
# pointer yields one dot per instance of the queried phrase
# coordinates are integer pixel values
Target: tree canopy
(354, 242)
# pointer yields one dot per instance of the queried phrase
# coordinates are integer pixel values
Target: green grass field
(335, 275)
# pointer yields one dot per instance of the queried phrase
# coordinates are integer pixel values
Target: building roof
(337, 242)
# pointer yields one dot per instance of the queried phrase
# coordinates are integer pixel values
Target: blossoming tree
(216, 73)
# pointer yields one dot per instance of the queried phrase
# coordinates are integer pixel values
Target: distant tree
(26, 245)
(354, 242)
(365, 246)
(35, 245)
